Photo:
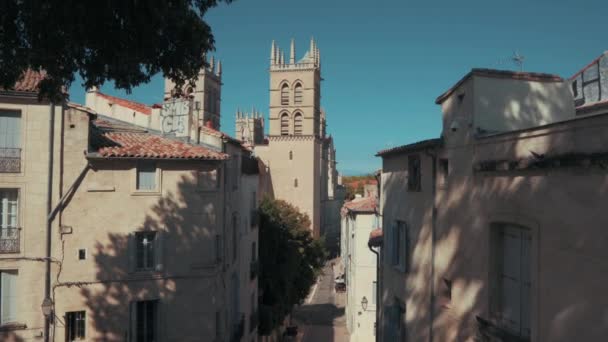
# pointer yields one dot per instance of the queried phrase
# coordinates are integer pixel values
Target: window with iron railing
(10, 141)
(9, 229)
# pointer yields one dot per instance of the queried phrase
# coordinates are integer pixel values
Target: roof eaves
(417, 146)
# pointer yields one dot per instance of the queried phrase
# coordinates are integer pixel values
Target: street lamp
(47, 307)
(364, 303)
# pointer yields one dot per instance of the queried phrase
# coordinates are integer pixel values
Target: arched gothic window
(297, 92)
(285, 124)
(285, 95)
(290, 155)
(297, 124)
(295, 183)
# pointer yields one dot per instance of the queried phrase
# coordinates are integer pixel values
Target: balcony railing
(489, 332)
(9, 240)
(238, 329)
(10, 160)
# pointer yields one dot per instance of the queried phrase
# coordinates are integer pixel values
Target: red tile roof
(362, 205)
(375, 238)
(112, 139)
(417, 146)
(139, 107)
(492, 73)
(214, 132)
(29, 81)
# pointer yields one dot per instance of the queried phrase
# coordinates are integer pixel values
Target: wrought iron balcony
(10, 160)
(9, 240)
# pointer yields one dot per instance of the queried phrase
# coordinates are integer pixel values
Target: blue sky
(384, 62)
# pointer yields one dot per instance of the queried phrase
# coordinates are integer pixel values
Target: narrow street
(321, 318)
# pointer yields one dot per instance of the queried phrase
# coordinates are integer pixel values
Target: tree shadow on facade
(185, 280)
(558, 198)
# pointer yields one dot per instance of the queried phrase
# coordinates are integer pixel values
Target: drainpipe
(433, 155)
(49, 204)
(378, 289)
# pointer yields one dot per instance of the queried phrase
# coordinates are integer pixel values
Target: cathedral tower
(206, 93)
(295, 92)
(250, 127)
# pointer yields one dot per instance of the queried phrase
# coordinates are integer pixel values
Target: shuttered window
(146, 176)
(75, 326)
(514, 279)
(285, 95)
(144, 321)
(297, 124)
(398, 242)
(297, 98)
(10, 129)
(8, 297)
(145, 251)
(285, 124)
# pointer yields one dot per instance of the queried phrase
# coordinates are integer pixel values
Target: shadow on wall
(10, 336)
(184, 270)
(565, 199)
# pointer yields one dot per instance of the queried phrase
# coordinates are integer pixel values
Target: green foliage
(354, 184)
(290, 261)
(126, 41)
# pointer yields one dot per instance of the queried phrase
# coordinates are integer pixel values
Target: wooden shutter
(8, 288)
(132, 321)
(403, 262)
(158, 247)
(511, 278)
(131, 252)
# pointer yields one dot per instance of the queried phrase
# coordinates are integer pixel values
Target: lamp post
(364, 303)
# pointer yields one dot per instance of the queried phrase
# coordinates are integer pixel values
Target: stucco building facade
(486, 228)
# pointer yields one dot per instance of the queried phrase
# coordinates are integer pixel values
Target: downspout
(378, 289)
(49, 204)
(433, 155)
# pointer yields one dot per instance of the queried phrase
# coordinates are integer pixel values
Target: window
(444, 171)
(144, 316)
(218, 324)
(10, 141)
(285, 95)
(218, 248)
(235, 171)
(9, 227)
(8, 297)
(575, 88)
(297, 124)
(82, 254)
(235, 233)
(297, 99)
(290, 155)
(147, 251)
(146, 176)
(512, 297)
(393, 322)
(398, 244)
(253, 251)
(285, 124)
(75, 326)
(295, 183)
(413, 176)
(10, 129)
(208, 180)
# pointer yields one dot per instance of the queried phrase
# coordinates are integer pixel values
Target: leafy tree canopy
(290, 261)
(126, 41)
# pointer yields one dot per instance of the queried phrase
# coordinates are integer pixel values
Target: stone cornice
(291, 137)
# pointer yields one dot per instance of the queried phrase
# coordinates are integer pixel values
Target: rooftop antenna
(518, 60)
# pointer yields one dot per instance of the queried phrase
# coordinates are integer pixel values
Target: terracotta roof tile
(29, 81)
(362, 205)
(140, 107)
(113, 139)
(375, 238)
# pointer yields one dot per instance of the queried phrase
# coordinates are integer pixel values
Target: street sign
(175, 117)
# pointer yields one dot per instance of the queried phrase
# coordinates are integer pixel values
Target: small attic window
(460, 97)
(575, 88)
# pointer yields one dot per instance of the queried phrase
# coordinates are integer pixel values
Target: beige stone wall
(304, 167)
(31, 183)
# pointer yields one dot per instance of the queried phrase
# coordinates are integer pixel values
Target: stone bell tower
(206, 94)
(250, 127)
(295, 92)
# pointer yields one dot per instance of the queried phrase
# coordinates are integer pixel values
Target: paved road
(321, 318)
